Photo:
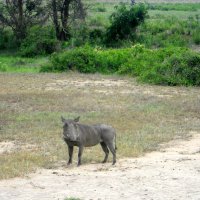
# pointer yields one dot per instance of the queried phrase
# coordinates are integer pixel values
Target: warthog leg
(105, 149)
(80, 152)
(70, 151)
(113, 151)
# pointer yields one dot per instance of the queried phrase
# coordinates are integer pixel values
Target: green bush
(7, 40)
(96, 36)
(111, 59)
(39, 41)
(80, 59)
(88, 60)
(124, 22)
(182, 69)
(170, 66)
(79, 34)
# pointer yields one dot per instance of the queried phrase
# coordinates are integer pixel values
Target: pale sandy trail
(170, 174)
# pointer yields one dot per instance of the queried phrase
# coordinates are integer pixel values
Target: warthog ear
(77, 119)
(63, 119)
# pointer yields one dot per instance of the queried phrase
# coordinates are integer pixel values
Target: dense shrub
(88, 60)
(111, 59)
(96, 36)
(80, 59)
(170, 66)
(7, 40)
(124, 22)
(39, 41)
(79, 34)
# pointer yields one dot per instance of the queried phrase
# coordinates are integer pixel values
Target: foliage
(21, 15)
(124, 22)
(96, 36)
(63, 12)
(81, 59)
(87, 60)
(169, 31)
(39, 41)
(79, 34)
(169, 66)
(7, 39)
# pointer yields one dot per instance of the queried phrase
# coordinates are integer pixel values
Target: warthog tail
(115, 143)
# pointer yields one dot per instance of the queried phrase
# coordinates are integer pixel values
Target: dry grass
(144, 116)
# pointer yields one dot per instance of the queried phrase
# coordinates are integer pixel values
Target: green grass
(179, 23)
(174, 6)
(181, 15)
(10, 63)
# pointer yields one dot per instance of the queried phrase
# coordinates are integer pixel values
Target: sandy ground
(172, 173)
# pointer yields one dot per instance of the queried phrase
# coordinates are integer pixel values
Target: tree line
(40, 27)
(20, 15)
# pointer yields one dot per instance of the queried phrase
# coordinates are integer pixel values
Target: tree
(22, 14)
(62, 11)
(124, 22)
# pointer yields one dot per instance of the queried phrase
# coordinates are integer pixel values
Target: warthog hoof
(114, 162)
(69, 163)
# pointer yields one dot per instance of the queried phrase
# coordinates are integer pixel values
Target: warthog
(81, 135)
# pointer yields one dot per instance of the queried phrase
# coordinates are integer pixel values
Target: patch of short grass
(10, 63)
(19, 164)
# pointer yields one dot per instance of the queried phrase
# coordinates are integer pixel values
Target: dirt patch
(111, 86)
(11, 146)
(7, 147)
(172, 173)
(60, 84)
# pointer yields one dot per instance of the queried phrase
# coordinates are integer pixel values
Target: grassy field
(12, 63)
(182, 10)
(143, 116)
(32, 103)
(168, 24)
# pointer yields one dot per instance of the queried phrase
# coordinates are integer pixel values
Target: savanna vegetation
(89, 31)
(128, 44)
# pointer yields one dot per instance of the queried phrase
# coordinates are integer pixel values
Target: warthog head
(69, 129)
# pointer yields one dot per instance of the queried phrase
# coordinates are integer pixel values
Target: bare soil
(171, 173)
(7, 147)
